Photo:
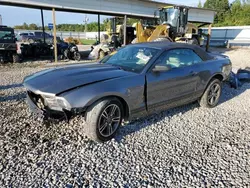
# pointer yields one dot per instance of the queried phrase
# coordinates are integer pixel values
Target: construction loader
(172, 25)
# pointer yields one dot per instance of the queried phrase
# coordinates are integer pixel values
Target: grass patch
(88, 41)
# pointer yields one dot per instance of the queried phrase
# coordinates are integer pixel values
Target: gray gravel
(187, 146)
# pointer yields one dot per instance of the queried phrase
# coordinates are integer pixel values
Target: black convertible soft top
(163, 45)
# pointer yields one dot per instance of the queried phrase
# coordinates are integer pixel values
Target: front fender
(130, 89)
(104, 95)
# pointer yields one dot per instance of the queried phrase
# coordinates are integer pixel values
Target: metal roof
(131, 8)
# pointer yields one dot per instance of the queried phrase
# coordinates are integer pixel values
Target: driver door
(175, 86)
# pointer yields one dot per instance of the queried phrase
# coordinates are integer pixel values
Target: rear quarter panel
(211, 68)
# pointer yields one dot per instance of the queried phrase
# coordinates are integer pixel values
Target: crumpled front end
(42, 108)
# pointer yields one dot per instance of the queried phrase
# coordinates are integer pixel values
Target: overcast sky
(16, 16)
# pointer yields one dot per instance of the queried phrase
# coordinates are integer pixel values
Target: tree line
(235, 14)
(93, 26)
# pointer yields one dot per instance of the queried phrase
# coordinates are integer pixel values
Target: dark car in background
(138, 80)
(36, 36)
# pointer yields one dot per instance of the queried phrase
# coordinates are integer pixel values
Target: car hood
(59, 80)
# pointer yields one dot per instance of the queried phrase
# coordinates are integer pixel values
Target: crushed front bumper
(46, 113)
(39, 108)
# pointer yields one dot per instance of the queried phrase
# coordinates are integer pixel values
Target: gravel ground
(187, 146)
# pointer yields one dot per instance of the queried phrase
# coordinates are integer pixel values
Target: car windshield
(6, 35)
(131, 58)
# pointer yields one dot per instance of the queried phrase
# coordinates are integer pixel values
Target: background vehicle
(36, 50)
(8, 46)
(138, 80)
(36, 36)
(172, 25)
(23, 36)
(71, 52)
(114, 38)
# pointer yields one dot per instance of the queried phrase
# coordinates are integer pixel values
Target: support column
(99, 29)
(209, 36)
(125, 30)
(54, 34)
(43, 26)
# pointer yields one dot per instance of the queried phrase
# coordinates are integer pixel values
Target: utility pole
(86, 25)
(99, 29)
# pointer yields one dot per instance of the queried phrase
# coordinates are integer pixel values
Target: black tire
(98, 126)
(77, 56)
(213, 90)
(193, 41)
(101, 54)
(16, 58)
(66, 53)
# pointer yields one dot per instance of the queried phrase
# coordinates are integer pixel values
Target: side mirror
(161, 68)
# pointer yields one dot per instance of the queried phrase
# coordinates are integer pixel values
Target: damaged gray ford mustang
(138, 80)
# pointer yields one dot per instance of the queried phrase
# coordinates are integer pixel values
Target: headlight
(63, 103)
(56, 103)
(227, 69)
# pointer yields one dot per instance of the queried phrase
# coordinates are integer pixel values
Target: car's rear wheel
(212, 94)
(103, 119)
(77, 56)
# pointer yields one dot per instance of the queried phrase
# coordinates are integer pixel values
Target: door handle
(193, 73)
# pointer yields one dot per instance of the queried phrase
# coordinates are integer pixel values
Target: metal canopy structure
(126, 8)
(131, 8)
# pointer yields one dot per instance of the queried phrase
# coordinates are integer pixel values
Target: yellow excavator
(172, 25)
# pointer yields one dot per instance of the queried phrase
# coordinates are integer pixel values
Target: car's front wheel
(103, 119)
(212, 94)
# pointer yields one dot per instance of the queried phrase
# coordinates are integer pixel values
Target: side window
(179, 58)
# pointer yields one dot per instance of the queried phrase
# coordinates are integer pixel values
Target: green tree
(222, 7)
(199, 5)
(240, 13)
(33, 26)
(25, 26)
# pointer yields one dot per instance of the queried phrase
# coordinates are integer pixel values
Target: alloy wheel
(109, 120)
(214, 94)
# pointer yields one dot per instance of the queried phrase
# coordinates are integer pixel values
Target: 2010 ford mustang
(138, 80)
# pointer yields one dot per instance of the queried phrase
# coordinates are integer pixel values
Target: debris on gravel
(186, 146)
